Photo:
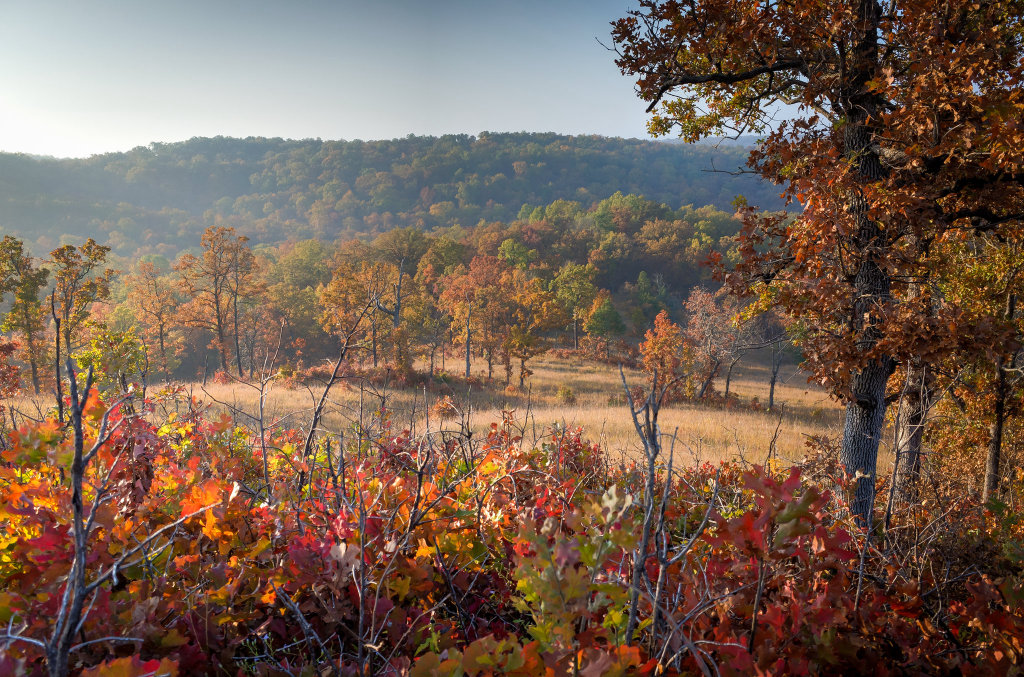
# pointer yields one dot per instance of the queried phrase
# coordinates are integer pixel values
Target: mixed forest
(158, 199)
(877, 232)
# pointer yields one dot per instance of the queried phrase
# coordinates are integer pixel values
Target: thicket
(141, 537)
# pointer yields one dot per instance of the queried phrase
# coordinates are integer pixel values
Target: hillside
(159, 198)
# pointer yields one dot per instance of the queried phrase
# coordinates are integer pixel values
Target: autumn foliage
(438, 554)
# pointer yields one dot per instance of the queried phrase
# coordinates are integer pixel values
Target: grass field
(703, 432)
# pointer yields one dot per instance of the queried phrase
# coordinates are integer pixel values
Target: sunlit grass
(704, 432)
(701, 432)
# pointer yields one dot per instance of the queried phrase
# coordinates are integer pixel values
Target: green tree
(575, 290)
(648, 298)
(516, 254)
(293, 282)
(26, 317)
(604, 320)
(118, 359)
(401, 249)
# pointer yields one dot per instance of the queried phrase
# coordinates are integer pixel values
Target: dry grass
(702, 432)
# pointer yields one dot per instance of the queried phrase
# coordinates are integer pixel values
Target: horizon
(709, 141)
(113, 76)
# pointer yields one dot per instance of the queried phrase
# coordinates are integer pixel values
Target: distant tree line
(560, 274)
(151, 199)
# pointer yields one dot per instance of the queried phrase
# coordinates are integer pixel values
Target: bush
(444, 409)
(565, 395)
(465, 555)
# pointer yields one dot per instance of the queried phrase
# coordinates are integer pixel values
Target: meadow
(713, 431)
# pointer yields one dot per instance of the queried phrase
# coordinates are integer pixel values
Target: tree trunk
(995, 443)
(56, 362)
(59, 386)
(728, 377)
(222, 349)
(862, 432)
(865, 411)
(776, 365)
(575, 333)
(373, 340)
(394, 312)
(163, 351)
(707, 382)
(910, 432)
(238, 347)
(30, 340)
(35, 373)
(468, 337)
(397, 318)
(67, 337)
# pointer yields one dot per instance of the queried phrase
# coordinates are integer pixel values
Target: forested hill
(159, 198)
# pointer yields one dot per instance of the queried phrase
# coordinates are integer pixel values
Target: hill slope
(157, 199)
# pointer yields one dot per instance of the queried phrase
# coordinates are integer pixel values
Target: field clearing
(703, 432)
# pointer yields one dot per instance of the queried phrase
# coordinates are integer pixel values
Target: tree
(402, 249)
(662, 355)
(604, 320)
(443, 255)
(575, 290)
(429, 321)
(78, 283)
(26, 317)
(293, 282)
(711, 330)
(986, 283)
(533, 311)
(154, 296)
(216, 283)
(904, 130)
(515, 253)
(353, 285)
(479, 306)
(772, 334)
(649, 297)
(245, 288)
(117, 360)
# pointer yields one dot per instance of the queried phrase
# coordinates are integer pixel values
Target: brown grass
(702, 432)
(705, 432)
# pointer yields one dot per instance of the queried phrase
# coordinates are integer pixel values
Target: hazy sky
(78, 77)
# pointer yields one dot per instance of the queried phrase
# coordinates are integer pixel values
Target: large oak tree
(903, 132)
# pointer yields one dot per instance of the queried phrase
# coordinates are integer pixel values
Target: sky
(79, 78)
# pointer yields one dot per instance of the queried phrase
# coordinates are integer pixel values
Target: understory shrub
(385, 553)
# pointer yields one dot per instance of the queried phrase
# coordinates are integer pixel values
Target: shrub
(565, 395)
(444, 409)
(449, 554)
